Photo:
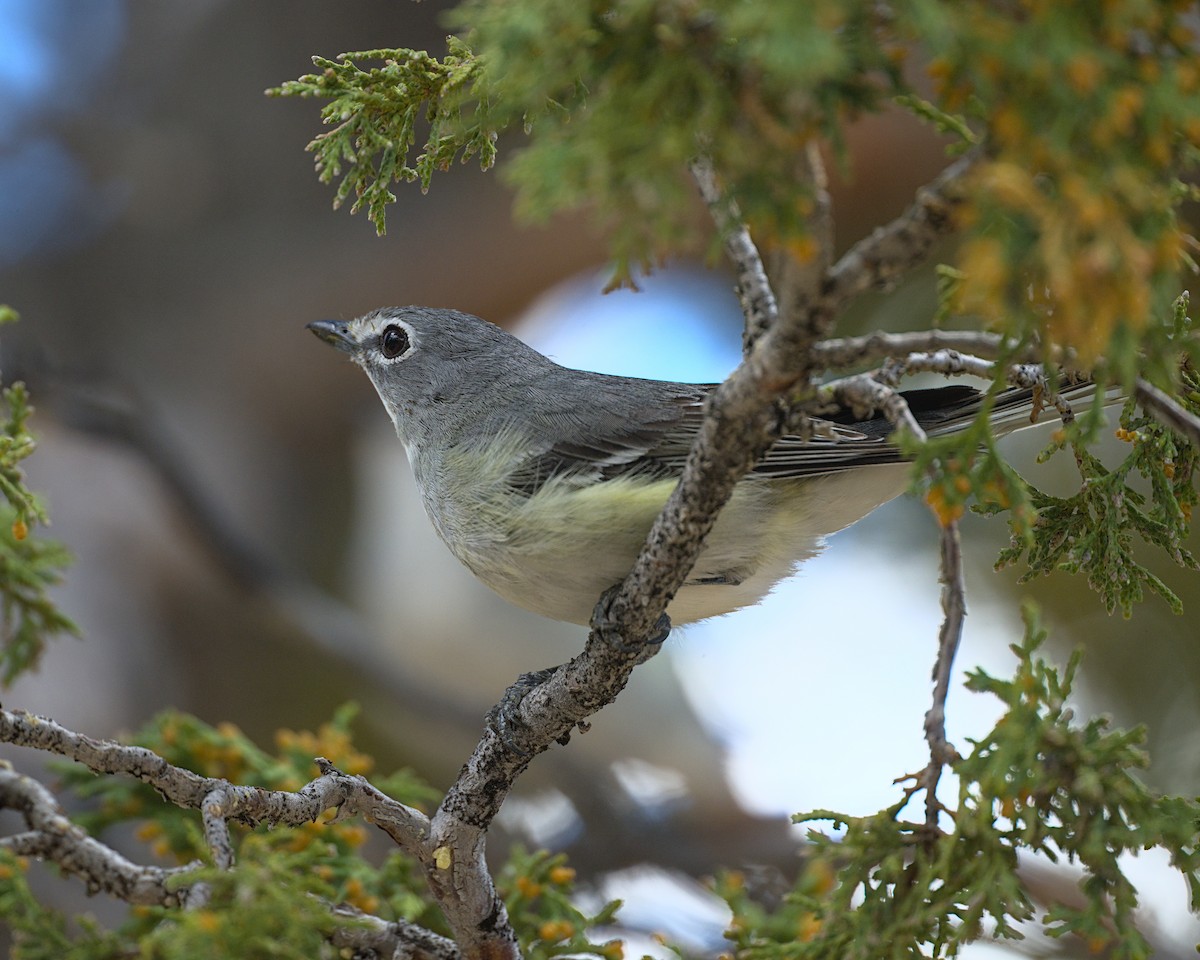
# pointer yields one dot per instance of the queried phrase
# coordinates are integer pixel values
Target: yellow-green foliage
(374, 112)
(1089, 113)
(538, 890)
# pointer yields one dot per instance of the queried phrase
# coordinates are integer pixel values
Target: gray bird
(544, 481)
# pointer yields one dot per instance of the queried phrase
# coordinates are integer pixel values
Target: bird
(544, 480)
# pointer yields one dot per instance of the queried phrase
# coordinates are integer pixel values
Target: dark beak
(336, 333)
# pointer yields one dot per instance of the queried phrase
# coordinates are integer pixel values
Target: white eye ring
(394, 342)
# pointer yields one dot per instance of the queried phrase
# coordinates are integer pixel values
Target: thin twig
(51, 836)
(754, 291)
(951, 363)
(865, 394)
(216, 797)
(371, 936)
(847, 353)
(892, 250)
(1167, 411)
(954, 609)
(798, 270)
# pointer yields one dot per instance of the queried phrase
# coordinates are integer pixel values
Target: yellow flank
(622, 508)
(557, 551)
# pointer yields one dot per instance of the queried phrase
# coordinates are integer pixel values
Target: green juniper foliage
(1093, 530)
(29, 564)
(1039, 783)
(374, 113)
(587, 80)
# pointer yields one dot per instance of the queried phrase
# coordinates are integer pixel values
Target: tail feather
(1017, 408)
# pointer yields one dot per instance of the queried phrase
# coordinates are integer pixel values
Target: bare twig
(52, 836)
(218, 798)
(846, 353)
(892, 250)
(1167, 411)
(866, 393)
(798, 270)
(954, 609)
(372, 936)
(951, 363)
(753, 289)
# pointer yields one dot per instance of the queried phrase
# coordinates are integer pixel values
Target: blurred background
(249, 546)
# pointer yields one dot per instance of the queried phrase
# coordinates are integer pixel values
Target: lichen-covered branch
(759, 307)
(372, 936)
(867, 393)
(879, 260)
(847, 353)
(50, 835)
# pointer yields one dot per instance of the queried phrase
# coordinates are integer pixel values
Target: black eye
(393, 342)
